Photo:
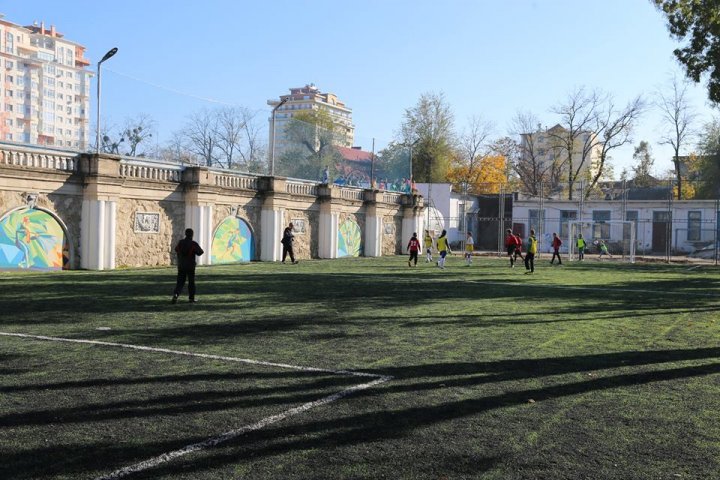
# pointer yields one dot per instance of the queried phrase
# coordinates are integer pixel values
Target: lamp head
(109, 54)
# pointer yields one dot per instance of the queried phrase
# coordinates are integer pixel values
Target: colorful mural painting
(32, 239)
(233, 242)
(349, 239)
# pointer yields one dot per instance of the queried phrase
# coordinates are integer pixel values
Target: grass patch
(590, 370)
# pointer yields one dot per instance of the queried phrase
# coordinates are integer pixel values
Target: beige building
(547, 147)
(44, 87)
(309, 99)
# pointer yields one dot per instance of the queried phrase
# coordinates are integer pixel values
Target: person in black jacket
(186, 250)
(287, 242)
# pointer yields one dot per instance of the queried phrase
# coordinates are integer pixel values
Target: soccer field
(363, 368)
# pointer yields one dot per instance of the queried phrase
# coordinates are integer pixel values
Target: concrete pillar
(97, 234)
(200, 219)
(413, 218)
(99, 209)
(328, 232)
(272, 223)
(373, 226)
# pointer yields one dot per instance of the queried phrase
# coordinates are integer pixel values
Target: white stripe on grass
(214, 441)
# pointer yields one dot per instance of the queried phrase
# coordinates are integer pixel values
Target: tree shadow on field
(367, 423)
(121, 290)
(372, 426)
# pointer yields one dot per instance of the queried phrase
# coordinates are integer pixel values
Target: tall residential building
(44, 87)
(309, 99)
(548, 150)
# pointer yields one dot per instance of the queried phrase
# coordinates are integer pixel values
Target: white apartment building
(309, 99)
(44, 87)
(547, 150)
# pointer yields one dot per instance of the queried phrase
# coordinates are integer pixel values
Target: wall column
(329, 224)
(200, 219)
(99, 208)
(413, 218)
(373, 225)
(272, 218)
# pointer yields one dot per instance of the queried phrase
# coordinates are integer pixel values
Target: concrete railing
(352, 193)
(141, 170)
(392, 197)
(301, 188)
(38, 158)
(236, 181)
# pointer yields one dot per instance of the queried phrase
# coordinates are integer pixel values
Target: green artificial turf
(592, 370)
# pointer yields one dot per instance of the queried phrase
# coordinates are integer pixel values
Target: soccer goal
(617, 235)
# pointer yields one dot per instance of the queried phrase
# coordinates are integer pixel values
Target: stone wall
(392, 243)
(306, 241)
(98, 198)
(136, 248)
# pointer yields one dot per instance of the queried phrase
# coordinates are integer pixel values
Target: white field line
(211, 442)
(192, 354)
(607, 289)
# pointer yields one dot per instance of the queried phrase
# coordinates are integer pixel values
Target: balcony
(26, 48)
(82, 62)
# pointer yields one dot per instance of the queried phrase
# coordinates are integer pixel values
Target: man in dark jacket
(186, 250)
(287, 242)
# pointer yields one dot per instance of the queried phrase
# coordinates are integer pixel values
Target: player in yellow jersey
(469, 248)
(428, 244)
(443, 247)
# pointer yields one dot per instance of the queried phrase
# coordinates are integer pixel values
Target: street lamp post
(272, 146)
(109, 54)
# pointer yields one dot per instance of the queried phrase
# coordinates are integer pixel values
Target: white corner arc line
(211, 442)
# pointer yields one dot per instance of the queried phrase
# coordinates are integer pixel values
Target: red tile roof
(355, 155)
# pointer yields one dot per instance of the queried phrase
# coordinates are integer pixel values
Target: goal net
(617, 235)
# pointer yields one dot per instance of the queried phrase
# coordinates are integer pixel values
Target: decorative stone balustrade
(143, 171)
(44, 159)
(352, 193)
(301, 188)
(392, 197)
(236, 181)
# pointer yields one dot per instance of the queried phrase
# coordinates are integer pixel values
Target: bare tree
(529, 162)
(254, 146)
(472, 148)
(578, 116)
(230, 124)
(202, 138)
(177, 150)
(678, 116)
(614, 129)
(137, 131)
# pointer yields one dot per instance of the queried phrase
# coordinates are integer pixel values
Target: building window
(600, 228)
(693, 231)
(8, 122)
(8, 108)
(8, 136)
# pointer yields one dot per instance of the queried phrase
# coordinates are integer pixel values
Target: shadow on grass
(369, 427)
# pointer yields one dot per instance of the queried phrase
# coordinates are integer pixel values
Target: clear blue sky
(489, 58)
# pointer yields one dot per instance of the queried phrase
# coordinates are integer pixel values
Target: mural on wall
(32, 239)
(233, 242)
(349, 239)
